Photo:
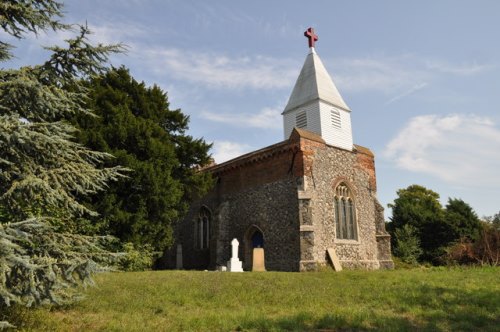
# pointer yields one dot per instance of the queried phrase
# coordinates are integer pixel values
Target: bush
(407, 244)
(484, 251)
(135, 259)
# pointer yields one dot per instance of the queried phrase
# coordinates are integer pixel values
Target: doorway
(254, 238)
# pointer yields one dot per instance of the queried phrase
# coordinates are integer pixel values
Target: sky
(422, 78)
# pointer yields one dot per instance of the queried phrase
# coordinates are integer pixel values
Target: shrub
(484, 251)
(136, 259)
(407, 244)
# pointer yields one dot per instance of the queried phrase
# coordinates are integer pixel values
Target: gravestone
(258, 264)
(178, 261)
(234, 264)
(335, 260)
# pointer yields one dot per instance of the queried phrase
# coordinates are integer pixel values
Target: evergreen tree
(420, 207)
(462, 221)
(436, 228)
(407, 244)
(42, 170)
(135, 124)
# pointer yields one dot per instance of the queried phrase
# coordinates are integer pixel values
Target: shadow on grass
(429, 308)
(455, 309)
(308, 322)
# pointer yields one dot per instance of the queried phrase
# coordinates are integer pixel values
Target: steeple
(314, 83)
(315, 103)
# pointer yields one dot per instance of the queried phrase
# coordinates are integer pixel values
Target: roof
(363, 150)
(314, 83)
(251, 157)
(266, 152)
(275, 149)
(302, 133)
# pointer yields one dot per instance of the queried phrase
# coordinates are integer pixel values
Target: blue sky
(422, 78)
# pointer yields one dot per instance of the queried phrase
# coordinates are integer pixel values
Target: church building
(305, 202)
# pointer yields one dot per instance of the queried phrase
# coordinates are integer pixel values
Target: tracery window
(345, 213)
(202, 229)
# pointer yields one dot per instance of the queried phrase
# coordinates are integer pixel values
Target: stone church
(307, 201)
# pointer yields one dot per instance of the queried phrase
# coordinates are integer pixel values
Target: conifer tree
(436, 228)
(135, 123)
(463, 222)
(43, 172)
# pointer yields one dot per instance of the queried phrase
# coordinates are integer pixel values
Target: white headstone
(234, 264)
(234, 244)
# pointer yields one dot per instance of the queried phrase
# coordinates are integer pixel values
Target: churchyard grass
(433, 299)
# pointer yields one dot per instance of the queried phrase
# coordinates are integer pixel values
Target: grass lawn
(435, 299)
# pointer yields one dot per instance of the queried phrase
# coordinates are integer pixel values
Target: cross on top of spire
(311, 36)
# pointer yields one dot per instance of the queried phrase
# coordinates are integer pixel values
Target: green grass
(435, 299)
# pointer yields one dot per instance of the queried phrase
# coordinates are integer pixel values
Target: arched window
(202, 229)
(345, 213)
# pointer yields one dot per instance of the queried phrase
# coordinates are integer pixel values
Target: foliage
(485, 250)
(43, 172)
(136, 259)
(419, 207)
(38, 264)
(461, 220)
(423, 299)
(494, 220)
(135, 124)
(436, 227)
(407, 244)
(19, 17)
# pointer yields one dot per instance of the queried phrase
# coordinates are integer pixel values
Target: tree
(419, 207)
(461, 220)
(407, 244)
(135, 124)
(436, 228)
(43, 172)
(494, 220)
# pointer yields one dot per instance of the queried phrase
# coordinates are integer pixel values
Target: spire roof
(314, 83)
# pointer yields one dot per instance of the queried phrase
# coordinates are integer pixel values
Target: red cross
(309, 33)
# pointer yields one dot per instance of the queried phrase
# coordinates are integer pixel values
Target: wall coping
(291, 144)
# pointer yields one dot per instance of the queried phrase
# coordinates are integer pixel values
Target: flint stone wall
(286, 191)
(329, 167)
(266, 208)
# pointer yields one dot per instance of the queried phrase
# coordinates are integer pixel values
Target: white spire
(314, 83)
(316, 105)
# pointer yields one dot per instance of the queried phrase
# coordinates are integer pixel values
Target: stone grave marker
(335, 260)
(258, 264)
(178, 261)
(234, 264)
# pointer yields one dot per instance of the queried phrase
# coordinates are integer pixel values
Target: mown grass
(435, 299)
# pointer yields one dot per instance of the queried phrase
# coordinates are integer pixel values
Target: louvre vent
(301, 120)
(335, 116)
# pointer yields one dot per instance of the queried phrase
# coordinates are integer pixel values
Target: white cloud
(384, 74)
(412, 90)
(225, 150)
(220, 71)
(397, 76)
(116, 32)
(460, 70)
(459, 149)
(267, 118)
